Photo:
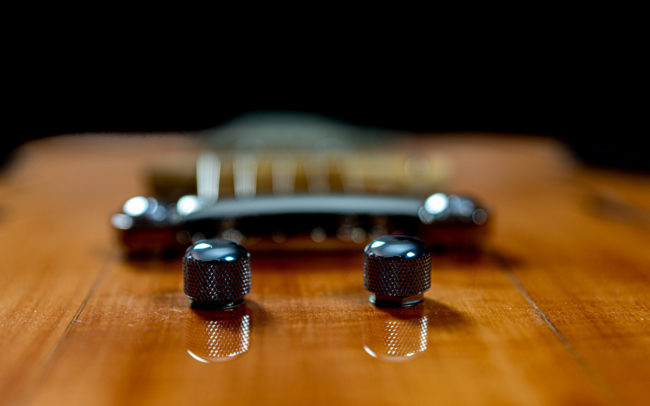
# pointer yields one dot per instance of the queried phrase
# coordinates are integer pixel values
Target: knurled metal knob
(396, 270)
(216, 273)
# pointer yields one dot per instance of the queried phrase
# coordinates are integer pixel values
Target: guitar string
(245, 175)
(208, 175)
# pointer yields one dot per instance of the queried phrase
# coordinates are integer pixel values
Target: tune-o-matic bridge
(147, 226)
(300, 181)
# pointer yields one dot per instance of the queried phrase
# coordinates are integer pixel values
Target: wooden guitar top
(555, 310)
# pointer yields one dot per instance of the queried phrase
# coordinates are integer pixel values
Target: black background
(584, 89)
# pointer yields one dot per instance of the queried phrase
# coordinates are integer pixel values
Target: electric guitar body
(536, 297)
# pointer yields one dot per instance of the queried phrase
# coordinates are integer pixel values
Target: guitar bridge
(299, 183)
(327, 221)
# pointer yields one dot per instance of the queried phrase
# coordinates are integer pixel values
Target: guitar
(282, 193)
(552, 311)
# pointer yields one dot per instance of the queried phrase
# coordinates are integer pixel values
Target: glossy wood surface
(555, 311)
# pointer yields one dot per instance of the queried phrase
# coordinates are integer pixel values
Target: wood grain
(589, 272)
(55, 240)
(554, 312)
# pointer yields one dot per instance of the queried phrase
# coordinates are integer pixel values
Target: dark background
(583, 90)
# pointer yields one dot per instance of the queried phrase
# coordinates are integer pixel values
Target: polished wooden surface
(555, 311)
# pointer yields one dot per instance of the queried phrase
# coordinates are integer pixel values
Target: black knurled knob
(396, 270)
(216, 273)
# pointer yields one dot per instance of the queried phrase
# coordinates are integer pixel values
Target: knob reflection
(396, 334)
(219, 335)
